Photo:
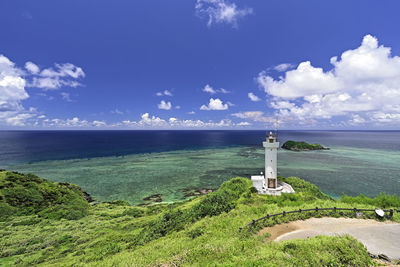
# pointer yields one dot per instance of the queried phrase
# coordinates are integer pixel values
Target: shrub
(382, 200)
(309, 190)
(23, 196)
(253, 190)
(134, 212)
(6, 210)
(29, 194)
(325, 251)
(213, 204)
(194, 233)
(172, 220)
(66, 239)
(222, 200)
(30, 221)
(65, 211)
(104, 249)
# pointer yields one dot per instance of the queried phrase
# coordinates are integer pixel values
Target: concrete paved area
(377, 237)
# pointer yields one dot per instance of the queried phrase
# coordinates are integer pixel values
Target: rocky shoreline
(187, 193)
(196, 192)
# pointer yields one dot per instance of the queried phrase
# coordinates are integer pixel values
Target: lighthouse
(268, 183)
(271, 146)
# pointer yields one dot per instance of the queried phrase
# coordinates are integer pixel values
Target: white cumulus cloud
(66, 96)
(32, 67)
(283, 67)
(153, 121)
(209, 89)
(117, 111)
(257, 116)
(75, 122)
(363, 86)
(12, 93)
(164, 93)
(244, 123)
(221, 11)
(253, 97)
(168, 93)
(164, 105)
(214, 104)
(99, 123)
(223, 91)
(19, 119)
(54, 78)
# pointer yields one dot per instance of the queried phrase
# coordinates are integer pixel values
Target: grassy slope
(184, 233)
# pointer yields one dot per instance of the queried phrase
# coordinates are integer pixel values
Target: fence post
(316, 209)
(284, 213)
(267, 216)
(334, 209)
(300, 210)
(391, 213)
(253, 222)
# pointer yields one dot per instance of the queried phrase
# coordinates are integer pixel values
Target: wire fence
(316, 209)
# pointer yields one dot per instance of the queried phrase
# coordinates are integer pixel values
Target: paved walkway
(378, 237)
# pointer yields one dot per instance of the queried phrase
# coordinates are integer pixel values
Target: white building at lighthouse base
(259, 184)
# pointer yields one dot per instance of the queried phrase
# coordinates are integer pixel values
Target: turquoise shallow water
(351, 170)
(346, 170)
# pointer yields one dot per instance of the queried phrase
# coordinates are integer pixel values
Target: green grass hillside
(202, 231)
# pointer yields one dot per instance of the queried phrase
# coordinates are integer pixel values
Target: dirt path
(378, 237)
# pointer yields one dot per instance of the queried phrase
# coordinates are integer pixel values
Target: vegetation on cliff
(202, 231)
(301, 146)
(27, 194)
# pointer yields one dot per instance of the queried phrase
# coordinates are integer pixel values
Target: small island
(302, 146)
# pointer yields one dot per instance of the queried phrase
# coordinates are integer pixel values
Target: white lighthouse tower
(271, 157)
(268, 183)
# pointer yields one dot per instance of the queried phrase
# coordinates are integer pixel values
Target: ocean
(132, 165)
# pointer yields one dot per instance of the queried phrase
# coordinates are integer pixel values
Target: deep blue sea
(133, 164)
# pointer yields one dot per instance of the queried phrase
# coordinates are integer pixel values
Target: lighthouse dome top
(271, 136)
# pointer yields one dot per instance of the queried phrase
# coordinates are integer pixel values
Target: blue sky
(201, 64)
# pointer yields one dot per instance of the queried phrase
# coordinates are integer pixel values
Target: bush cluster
(222, 200)
(309, 191)
(134, 212)
(24, 194)
(213, 204)
(325, 251)
(382, 200)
